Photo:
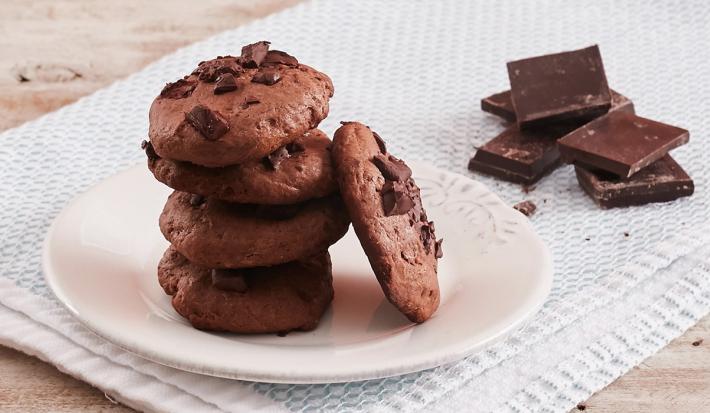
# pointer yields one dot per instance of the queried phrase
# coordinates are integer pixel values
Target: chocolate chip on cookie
(387, 214)
(266, 76)
(208, 123)
(225, 83)
(282, 298)
(254, 54)
(178, 90)
(149, 152)
(277, 57)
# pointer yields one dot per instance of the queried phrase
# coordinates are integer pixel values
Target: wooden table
(54, 52)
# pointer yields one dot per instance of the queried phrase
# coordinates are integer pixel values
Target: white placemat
(415, 72)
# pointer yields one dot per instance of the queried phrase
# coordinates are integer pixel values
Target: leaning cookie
(294, 173)
(291, 296)
(388, 218)
(233, 110)
(217, 234)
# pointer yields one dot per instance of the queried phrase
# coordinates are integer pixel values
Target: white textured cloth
(415, 72)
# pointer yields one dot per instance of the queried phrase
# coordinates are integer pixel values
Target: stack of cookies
(256, 202)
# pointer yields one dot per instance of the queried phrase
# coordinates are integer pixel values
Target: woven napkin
(415, 72)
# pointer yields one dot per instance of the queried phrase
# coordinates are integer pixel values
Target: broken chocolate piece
(380, 142)
(248, 101)
(662, 181)
(392, 169)
(550, 88)
(439, 252)
(229, 280)
(500, 104)
(210, 70)
(178, 90)
(266, 76)
(396, 198)
(208, 123)
(253, 54)
(277, 57)
(149, 151)
(197, 200)
(225, 83)
(520, 156)
(620, 143)
(527, 208)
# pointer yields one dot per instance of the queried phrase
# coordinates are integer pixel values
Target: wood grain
(57, 51)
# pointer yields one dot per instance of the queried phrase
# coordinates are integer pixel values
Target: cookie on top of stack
(256, 203)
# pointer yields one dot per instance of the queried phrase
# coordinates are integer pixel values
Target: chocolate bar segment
(501, 104)
(520, 156)
(569, 85)
(621, 143)
(662, 181)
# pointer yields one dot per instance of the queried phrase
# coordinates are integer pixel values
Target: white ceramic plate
(101, 253)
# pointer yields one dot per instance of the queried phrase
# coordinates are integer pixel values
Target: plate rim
(288, 376)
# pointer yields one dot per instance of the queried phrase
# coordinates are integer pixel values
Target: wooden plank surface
(54, 52)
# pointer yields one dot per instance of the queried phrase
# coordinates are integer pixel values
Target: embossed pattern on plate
(101, 253)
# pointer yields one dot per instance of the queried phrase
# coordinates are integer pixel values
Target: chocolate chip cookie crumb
(527, 208)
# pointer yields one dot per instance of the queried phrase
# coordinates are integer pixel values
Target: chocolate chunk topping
(178, 90)
(225, 83)
(380, 142)
(295, 147)
(229, 280)
(276, 157)
(266, 76)
(208, 123)
(253, 54)
(210, 70)
(284, 152)
(392, 169)
(249, 100)
(149, 151)
(396, 198)
(197, 200)
(280, 58)
(427, 235)
(439, 252)
(527, 208)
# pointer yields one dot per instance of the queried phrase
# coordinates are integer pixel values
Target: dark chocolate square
(561, 86)
(501, 104)
(662, 181)
(621, 143)
(520, 156)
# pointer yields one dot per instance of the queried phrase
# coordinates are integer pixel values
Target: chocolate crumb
(197, 200)
(697, 343)
(225, 83)
(587, 239)
(266, 76)
(527, 208)
(626, 234)
(282, 333)
(207, 122)
(581, 407)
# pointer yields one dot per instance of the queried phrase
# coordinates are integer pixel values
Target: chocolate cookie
(291, 296)
(296, 172)
(232, 110)
(387, 215)
(216, 234)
